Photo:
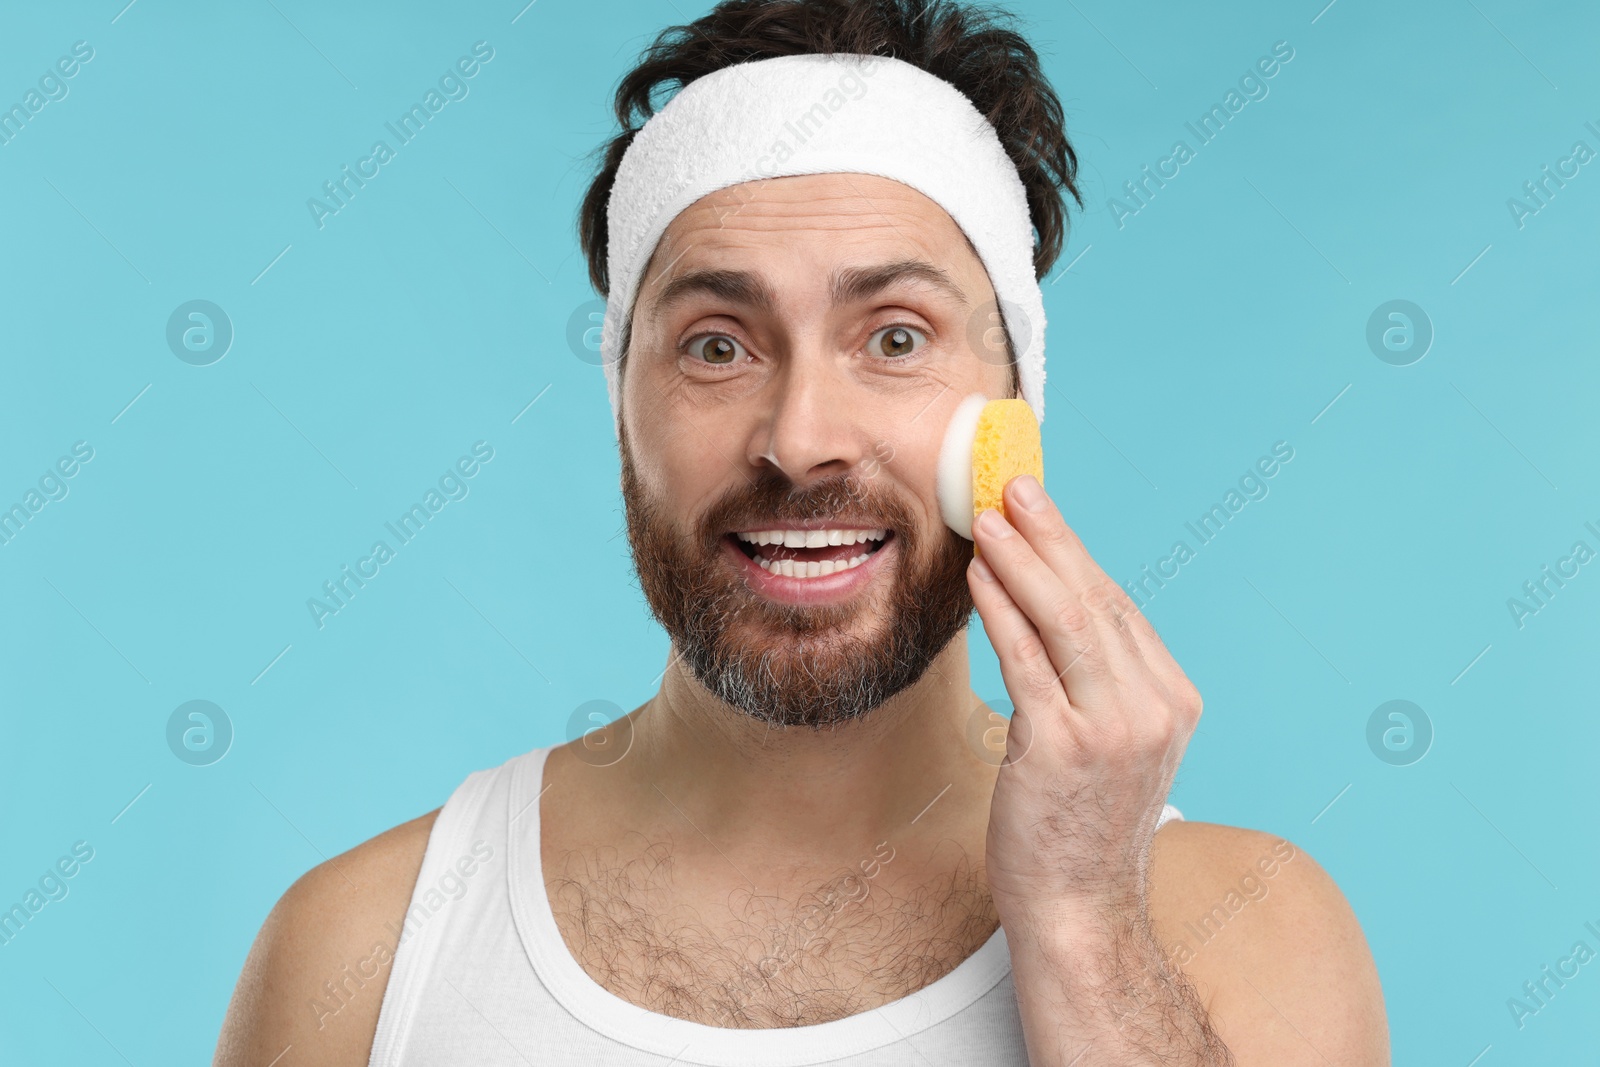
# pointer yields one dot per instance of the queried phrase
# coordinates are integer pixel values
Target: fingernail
(994, 524)
(1030, 494)
(981, 568)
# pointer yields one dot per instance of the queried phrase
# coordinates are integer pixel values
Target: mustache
(793, 665)
(847, 498)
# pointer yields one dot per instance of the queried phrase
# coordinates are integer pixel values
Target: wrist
(1099, 903)
(1071, 923)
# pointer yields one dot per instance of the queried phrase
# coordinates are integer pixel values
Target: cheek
(904, 462)
(682, 471)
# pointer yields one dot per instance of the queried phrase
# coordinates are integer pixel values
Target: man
(800, 849)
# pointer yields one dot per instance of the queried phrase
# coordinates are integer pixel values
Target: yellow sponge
(1007, 444)
(987, 443)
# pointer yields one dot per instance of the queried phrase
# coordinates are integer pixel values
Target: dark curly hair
(967, 45)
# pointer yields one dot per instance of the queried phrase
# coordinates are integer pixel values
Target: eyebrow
(848, 285)
(855, 284)
(734, 286)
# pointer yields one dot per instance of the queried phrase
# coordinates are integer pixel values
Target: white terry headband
(826, 114)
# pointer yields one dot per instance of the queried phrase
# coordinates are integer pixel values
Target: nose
(811, 428)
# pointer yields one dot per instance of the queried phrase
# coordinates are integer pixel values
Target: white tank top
(482, 977)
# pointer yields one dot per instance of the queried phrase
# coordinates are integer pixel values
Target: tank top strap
(481, 974)
(465, 860)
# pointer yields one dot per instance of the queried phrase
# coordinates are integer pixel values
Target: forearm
(1097, 990)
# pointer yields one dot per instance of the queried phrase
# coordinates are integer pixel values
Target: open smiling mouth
(805, 553)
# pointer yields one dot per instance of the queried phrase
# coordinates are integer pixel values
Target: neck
(779, 802)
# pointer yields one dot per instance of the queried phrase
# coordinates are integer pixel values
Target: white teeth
(811, 538)
(811, 569)
(790, 568)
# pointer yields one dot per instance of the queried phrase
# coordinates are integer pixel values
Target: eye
(895, 342)
(715, 348)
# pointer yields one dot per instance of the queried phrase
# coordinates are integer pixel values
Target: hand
(1103, 715)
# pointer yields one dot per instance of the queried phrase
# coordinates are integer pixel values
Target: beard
(797, 664)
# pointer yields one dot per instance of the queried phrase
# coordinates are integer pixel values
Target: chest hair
(848, 945)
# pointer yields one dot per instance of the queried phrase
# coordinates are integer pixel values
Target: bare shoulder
(1271, 945)
(314, 980)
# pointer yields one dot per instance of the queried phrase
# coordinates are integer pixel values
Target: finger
(1081, 652)
(1030, 676)
(1048, 533)
(1030, 509)
(1152, 650)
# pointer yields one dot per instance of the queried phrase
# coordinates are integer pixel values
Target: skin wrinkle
(849, 285)
(814, 677)
(780, 217)
(683, 938)
(786, 803)
(699, 603)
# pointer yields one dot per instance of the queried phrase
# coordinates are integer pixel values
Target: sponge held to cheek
(986, 444)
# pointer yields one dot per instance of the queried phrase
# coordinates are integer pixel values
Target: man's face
(788, 371)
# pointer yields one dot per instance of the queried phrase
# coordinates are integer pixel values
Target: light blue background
(1223, 317)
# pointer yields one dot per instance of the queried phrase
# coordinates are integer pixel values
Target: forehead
(813, 218)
